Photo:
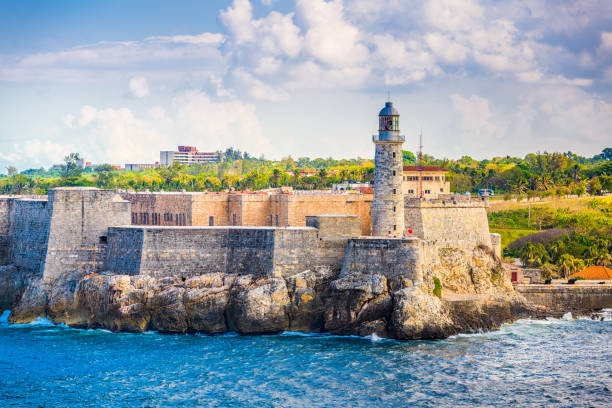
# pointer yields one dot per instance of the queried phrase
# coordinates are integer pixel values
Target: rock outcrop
(473, 295)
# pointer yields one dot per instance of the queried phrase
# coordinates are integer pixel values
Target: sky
(118, 81)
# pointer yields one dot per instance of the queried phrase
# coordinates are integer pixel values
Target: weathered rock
(13, 283)
(258, 305)
(308, 292)
(354, 302)
(32, 303)
(419, 315)
(206, 298)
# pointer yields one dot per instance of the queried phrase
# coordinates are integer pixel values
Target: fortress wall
(292, 209)
(5, 214)
(5, 225)
(124, 250)
(160, 204)
(191, 251)
(204, 206)
(295, 250)
(250, 209)
(390, 257)
(460, 224)
(80, 218)
(29, 232)
(250, 251)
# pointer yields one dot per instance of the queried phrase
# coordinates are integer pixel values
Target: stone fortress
(280, 234)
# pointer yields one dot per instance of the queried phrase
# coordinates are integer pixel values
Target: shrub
(437, 291)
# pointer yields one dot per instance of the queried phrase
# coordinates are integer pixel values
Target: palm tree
(604, 259)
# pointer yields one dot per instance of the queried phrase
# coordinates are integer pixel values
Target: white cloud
(204, 38)
(475, 115)
(36, 153)
(119, 136)
(139, 87)
(329, 37)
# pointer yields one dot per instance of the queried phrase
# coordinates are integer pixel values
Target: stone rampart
(78, 227)
(5, 225)
(569, 298)
(391, 257)
(192, 251)
(29, 233)
(455, 223)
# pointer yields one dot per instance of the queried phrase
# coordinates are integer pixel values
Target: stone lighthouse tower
(388, 205)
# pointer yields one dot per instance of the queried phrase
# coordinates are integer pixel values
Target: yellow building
(435, 181)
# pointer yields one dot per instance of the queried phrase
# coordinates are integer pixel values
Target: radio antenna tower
(420, 164)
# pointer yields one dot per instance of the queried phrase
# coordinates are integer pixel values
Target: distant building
(435, 181)
(187, 155)
(139, 166)
(82, 163)
(349, 185)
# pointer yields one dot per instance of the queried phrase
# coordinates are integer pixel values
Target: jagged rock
(32, 303)
(308, 291)
(13, 282)
(206, 298)
(354, 302)
(454, 271)
(258, 305)
(419, 315)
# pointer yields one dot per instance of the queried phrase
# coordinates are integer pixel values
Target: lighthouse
(388, 205)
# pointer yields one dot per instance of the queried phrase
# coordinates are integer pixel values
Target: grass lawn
(508, 235)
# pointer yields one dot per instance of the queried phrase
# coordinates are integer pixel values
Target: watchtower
(388, 204)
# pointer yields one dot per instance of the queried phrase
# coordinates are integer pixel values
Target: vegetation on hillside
(572, 236)
(543, 174)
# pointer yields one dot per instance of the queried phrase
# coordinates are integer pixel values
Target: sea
(563, 362)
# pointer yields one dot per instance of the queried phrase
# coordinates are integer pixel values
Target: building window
(394, 191)
(233, 219)
(211, 221)
(395, 228)
(441, 190)
(393, 208)
(271, 220)
(427, 191)
(410, 191)
(103, 239)
(277, 220)
(394, 170)
(437, 178)
(394, 157)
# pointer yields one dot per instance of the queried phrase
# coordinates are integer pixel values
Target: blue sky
(120, 80)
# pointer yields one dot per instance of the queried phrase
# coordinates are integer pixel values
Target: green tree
(70, 169)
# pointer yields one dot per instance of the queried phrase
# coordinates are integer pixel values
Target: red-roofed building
(435, 181)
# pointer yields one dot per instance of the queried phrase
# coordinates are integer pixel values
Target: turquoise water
(561, 362)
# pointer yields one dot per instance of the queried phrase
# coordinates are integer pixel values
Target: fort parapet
(91, 230)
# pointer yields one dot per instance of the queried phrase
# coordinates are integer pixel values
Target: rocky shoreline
(476, 295)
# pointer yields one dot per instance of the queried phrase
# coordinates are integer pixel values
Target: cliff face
(474, 295)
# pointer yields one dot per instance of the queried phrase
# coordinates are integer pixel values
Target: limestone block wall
(391, 257)
(5, 224)
(460, 224)
(334, 226)
(29, 232)
(566, 298)
(250, 209)
(80, 218)
(205, 206)
(292, 209)
(160, 208)
(191, 251)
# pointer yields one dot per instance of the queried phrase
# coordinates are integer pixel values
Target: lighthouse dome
(388, 110)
